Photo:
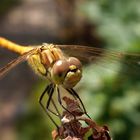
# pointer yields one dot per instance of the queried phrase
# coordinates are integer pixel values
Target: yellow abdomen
(4, 43)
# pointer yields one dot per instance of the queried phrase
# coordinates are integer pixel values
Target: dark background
(110, 91)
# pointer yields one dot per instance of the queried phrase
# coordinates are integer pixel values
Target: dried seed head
(72, 128)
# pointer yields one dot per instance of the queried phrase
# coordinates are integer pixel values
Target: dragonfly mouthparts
(73, 70)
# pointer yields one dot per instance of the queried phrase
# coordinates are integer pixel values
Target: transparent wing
(91, 54)
(16, 61)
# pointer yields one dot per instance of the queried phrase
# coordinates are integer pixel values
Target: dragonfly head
(67, 72)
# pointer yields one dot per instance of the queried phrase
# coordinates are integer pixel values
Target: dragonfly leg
(49, 89)
(60, 102)
(47, 111)
(74, 94)
(58, 113)
(50, 93)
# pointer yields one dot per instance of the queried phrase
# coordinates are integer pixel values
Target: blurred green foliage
(114, 97)
(117, 21)
(32, 127)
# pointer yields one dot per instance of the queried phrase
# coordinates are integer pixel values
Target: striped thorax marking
(43, 60)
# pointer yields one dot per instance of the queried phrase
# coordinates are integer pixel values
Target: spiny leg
(46, 110)
(60, 102)
(58, 113)
(74, 94)
(50, 93)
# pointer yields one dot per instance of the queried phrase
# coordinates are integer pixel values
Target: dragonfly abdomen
(4, 43)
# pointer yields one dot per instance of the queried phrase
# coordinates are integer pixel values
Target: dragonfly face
(67, 72)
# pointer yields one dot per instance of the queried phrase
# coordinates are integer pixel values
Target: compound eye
(76, 62)
(60, 68)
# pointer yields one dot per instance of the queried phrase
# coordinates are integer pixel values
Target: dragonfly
(54, 64)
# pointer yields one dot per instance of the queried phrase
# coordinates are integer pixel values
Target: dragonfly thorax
(44, 58)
